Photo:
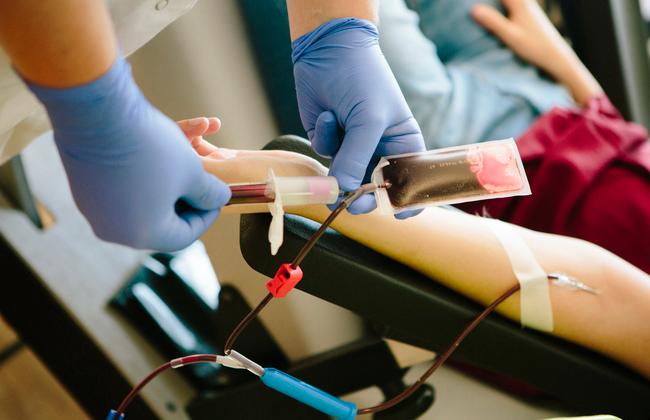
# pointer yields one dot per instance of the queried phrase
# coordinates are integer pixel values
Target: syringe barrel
(303, 190)
(293, 191)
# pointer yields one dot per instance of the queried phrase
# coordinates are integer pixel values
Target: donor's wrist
(338, 32)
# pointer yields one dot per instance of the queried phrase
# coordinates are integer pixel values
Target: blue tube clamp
(309, 395)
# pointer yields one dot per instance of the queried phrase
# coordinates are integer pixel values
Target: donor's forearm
(461, 252)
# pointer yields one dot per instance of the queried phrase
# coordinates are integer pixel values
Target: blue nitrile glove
(343, 80)
(132, 172)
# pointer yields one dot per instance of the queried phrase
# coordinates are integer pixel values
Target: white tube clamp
(296, 191)
(276, 208)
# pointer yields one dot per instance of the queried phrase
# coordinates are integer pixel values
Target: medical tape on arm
(535, 299)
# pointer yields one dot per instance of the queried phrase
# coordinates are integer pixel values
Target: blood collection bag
(449, 176)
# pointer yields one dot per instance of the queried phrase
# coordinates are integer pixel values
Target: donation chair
(402, 304)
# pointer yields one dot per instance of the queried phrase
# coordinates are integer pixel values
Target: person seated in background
(463, 83)
(468, 73)
(460, 251)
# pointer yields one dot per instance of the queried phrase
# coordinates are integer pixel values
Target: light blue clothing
(461, 83)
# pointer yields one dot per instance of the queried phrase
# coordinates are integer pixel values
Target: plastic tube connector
(309, 395)
(296, 191)
(244, 362)
(284, 281)
(114, 415)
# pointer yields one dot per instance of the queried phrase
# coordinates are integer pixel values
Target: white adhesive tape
(536, 309)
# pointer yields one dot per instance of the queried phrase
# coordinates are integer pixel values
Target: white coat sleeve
(22, 118)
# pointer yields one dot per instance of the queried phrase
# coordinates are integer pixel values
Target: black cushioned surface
(407, 306)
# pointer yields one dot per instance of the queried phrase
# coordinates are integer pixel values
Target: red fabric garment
(589, 172)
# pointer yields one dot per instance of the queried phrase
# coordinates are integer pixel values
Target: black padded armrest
(407, 306)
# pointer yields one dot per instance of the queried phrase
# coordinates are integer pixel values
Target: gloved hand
(343, 82)
(133, 174)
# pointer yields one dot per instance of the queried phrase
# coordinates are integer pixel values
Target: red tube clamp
(284, 280)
